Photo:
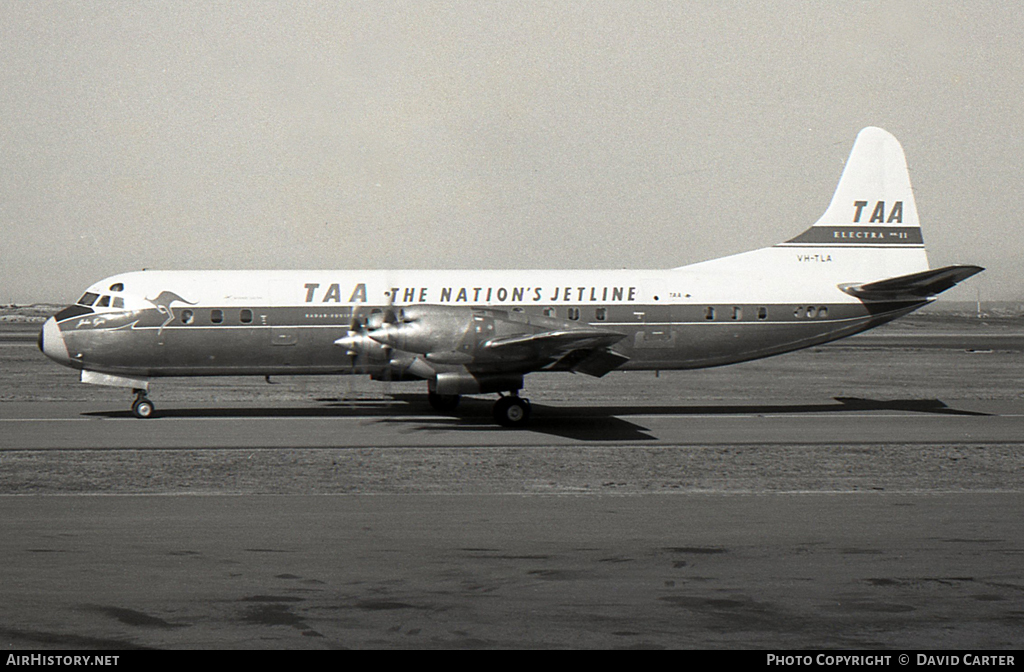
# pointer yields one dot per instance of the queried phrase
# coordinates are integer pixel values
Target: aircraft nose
(51, 342)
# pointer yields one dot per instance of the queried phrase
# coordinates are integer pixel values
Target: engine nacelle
(453, 335)
(426, 329)
(468, 383)
(402, 368)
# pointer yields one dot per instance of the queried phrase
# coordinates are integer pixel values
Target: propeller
(359, 347)
(368, 349)
(385, 317)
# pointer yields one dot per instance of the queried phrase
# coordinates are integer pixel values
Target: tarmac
(698, 570)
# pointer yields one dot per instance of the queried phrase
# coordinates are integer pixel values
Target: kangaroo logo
(163, 305)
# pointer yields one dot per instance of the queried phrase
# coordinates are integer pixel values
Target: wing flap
(591, 362)
(583, 350)
(913, 287)
(557, 341)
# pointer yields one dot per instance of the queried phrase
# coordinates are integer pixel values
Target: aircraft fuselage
(191, 323)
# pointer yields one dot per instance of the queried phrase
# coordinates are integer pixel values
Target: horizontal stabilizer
(913, 287)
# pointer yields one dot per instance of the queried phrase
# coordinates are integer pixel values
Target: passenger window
(798, 312)
(709, 313)
(737, 313)
(245, 316)
(601, 313)
(550, 312)
(88, 299)
(823, 312)
(104, 302)
(216, 316)
(810, 311)
(187, 317)
(118, 302)
(762, 313)
(574, 313)
(117, 287)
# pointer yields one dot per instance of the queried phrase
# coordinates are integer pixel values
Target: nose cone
(51, 342)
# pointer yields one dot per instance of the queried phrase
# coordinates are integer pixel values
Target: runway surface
(868, 496)
(407, 421)
(860, 571)
(398, 447)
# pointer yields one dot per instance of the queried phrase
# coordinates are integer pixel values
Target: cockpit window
(88, 299)
(118, 302)
(117, 287)
(103, 302)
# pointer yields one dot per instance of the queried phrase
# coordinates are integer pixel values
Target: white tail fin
(875, 185)
(872, 216)
(873, 206)
(869, 232)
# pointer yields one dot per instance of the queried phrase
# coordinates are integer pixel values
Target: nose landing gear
(142, 407)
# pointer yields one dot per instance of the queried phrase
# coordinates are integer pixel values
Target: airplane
(468, 332)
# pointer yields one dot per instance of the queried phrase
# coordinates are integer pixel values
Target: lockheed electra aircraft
(862, 264)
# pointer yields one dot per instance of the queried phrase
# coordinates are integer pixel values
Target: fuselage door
(655, 316)
(286, 296)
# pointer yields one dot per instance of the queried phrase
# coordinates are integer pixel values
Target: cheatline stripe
(847, 246)
(874, 235)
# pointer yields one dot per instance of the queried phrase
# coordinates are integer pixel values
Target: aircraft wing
(913, 287)
(583, 350)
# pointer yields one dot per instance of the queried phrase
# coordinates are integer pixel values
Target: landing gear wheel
(443, 403)
(511, 411)
(143, 408)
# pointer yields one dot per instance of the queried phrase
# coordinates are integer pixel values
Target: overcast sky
(478, 134)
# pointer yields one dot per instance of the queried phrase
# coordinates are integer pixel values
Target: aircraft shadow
(606, 423)
(406, 409)
(475, 416)
(840, 405)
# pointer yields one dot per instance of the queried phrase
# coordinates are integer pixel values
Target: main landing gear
(142, 407)
(511, 410)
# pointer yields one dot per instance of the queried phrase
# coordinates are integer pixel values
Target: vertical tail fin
(872, 214)
(873, 204)
(869, 232)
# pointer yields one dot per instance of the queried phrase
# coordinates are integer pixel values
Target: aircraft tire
(443, 403)
(511, 411)
(143, 408)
